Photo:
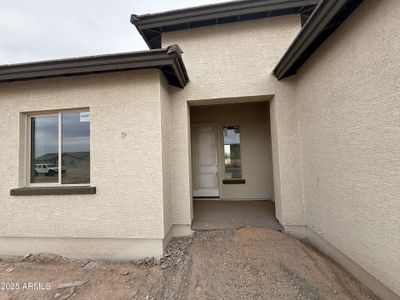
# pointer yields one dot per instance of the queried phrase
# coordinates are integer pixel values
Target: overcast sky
(33, 30)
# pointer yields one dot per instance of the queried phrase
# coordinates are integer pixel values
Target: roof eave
(151, 26)
(325, 19)
(168, 60)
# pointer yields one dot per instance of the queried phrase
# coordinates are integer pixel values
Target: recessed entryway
(231, 156)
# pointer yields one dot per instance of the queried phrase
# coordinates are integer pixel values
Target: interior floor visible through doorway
(219, 214)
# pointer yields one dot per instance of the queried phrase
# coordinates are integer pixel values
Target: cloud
(49, 29)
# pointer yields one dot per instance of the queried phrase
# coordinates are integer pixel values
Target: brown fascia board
(168, 60)
(151, 26)
(323, 22)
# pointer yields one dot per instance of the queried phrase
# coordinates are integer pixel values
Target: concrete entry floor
(219, 214)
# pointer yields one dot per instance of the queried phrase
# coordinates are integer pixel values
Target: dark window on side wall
(233, 167)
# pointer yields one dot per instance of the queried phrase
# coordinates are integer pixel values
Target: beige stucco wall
(182, 210)
(166, 153)
(348, 95)
(334, 139)
(233, 60)
(255, 146)
(85, 248)
(289, 202)
(231, 63)
(126, 158)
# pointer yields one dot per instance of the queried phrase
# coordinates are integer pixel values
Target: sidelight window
(233, 168)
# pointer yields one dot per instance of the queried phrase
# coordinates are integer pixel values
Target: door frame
(219, 181)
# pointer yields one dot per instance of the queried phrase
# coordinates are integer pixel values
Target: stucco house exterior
(294, 101)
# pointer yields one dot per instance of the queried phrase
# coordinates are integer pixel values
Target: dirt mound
(46, 258)
(249, 263)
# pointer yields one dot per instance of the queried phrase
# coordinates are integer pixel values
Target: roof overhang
(325, 19)
(151, 26)
(168, 60)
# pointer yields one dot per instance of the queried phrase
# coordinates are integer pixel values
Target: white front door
(205, 161)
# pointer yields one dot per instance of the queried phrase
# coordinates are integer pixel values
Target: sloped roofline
(321, 19)
(322, 23)
(168, 60)
(151, 26)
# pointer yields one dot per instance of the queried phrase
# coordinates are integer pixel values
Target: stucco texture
(233, 63)
(126, 156)
(233, 60)
(289, 202)
(166, 154)
(349, 113)
(334, 140)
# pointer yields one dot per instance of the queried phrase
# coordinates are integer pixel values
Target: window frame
(57, 113)
(241, 159)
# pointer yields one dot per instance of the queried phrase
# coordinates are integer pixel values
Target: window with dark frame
(59, 148)
(232, 160)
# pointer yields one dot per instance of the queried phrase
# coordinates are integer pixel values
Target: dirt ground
(247, 263)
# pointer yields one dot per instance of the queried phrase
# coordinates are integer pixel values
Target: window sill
(59, 190)
(234, 181)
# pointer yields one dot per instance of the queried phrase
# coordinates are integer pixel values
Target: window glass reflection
(233, 167)
(75, 143)
(44, 149)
